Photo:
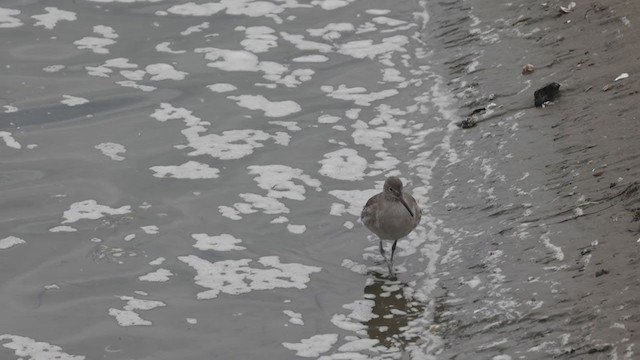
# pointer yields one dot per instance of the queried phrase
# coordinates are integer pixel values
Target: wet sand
(543, 258)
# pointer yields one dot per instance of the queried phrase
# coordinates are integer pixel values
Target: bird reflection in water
(393, 310)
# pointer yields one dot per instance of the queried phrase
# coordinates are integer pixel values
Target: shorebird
(391, 215)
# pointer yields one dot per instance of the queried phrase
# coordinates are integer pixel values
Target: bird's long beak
(401, 198)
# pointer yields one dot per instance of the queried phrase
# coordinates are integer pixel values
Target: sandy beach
(551, 220)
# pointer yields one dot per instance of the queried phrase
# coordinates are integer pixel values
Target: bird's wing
(369, 211)
(417, 210)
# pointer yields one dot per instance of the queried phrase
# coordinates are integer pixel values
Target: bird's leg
(393, 250)
(382, 251)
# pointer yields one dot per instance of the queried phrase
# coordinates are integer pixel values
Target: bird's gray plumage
(391, 214)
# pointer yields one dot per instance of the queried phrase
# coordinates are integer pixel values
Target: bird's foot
(392, 274)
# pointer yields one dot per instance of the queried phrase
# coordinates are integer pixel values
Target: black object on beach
(548, 93)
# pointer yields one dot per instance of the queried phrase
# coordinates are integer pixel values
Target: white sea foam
(160, 275)
(9, 140)
(188, 170)
(294, 317)
(112, 150)
(157, 261)
(30, 349)
(355, 200)
(332, 31)
(162, 71)
(278, 181)
(8, 19)
(150, 229)
(289, 125)
(313, 346)
(222, 242)
(302, 44)
(311, 58)
(95, 44)
(357, 94)
(63, 228)
(343, 164)
(331, 4)
(270, 108)
(222, 87)
(166, 48)
(89, 209)
(53, 16)
(368, 49)
(235, 277)
(128, 317)
(10, 241)
(259, 38)
(9, 109)
(296, 229)
(557, 251)
(194, 29)
(73, 100)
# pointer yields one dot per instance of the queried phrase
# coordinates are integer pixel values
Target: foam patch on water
(231, 144)
(150, 229)
(9, 109)
(343, 164)
(9, 140)
(188, 170)
(332, 31)
(313, 346)
(296, 229)
(355, 199)
(556, 250)
(128, 317)
(253, 203)
(166, 48)
(222, 242)
(91, 210)
(8, 19)
(306, 45)
(162, 71)
(311, 59)
(222, 87)
(258, 38)
(96, 44)
(192, 321)
(270, 108)
(160, 275)
(361, 312)
(10, 241)
(278, 181)
(63, 228)
(73, 100)
(195, 29)
(112, 150)
(236, 277)
(158, 261)
(294, 317)
(357, 94)
(358, 345)
(30, 349)
(53, 16)
(361, 49)
(231, 7)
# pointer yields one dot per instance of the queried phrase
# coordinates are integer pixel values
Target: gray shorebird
(391, 215)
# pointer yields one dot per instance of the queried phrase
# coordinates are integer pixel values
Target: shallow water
(186, 179)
